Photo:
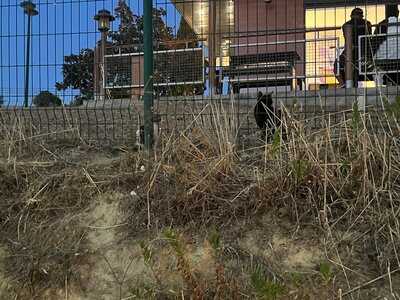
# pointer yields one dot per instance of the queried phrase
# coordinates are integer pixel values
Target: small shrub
(46, 99)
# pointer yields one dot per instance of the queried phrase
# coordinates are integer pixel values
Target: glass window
(324, 45)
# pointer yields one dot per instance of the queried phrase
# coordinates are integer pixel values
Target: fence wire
(62, 71)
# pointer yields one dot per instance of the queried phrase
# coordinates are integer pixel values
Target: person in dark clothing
(392, 10)
(360, 26)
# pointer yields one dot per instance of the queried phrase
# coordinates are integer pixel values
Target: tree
(131, 27)
(78, 73)
(128, 32)
(46, 99)
(185, 33)
(161, 32)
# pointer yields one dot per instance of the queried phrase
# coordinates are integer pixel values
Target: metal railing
(379, 53)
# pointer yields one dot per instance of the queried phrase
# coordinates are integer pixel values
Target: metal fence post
(349, 67)
(148, 73)
(212, 12)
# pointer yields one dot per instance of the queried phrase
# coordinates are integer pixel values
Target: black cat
(268, 119)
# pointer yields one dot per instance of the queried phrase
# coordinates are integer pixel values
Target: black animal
(156, 119)
(268, 119)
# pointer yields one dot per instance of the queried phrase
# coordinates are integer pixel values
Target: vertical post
(28, 48)
(211, 45)
(148, 73)
(103, 62)
(349, 68)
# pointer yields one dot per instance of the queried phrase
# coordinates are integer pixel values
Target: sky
(61, 28)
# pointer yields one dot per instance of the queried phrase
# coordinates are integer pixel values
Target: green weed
(326, 271)
(300, 169)
(214, 238)
(265, 288)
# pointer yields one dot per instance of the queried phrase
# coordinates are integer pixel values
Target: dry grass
(342, 179)
(41, 200)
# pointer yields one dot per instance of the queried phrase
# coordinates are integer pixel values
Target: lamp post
(30, 11)
(104, 19)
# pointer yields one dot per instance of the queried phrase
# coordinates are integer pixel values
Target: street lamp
(30, 11)
(103, 18)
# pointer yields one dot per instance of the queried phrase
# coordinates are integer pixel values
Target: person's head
(392, 10)
(357, 13)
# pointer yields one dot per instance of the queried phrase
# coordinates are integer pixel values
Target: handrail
(256, 33)
(285, 42)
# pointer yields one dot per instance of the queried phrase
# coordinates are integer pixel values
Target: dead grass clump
(41, 202)
(8, 183)
(346, 179)
(194, 183)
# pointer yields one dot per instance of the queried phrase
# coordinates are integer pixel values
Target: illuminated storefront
(317, 48)
(321, 23)
(272, 43)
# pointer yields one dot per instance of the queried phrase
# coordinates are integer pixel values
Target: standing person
(360, 26)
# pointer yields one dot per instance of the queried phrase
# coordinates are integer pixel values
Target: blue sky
(61, 28)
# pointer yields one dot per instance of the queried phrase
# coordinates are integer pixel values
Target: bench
(263, 70)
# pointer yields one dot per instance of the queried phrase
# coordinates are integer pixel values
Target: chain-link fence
(69, 66)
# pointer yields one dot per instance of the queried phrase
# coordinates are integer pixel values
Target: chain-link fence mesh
(54, 57)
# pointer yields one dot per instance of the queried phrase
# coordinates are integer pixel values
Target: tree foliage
(131, 27)
(185, 33)
(46, 99)
(78, 73)
(128, 32)
(161, 32)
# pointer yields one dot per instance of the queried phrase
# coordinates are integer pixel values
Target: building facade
(266, 43)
